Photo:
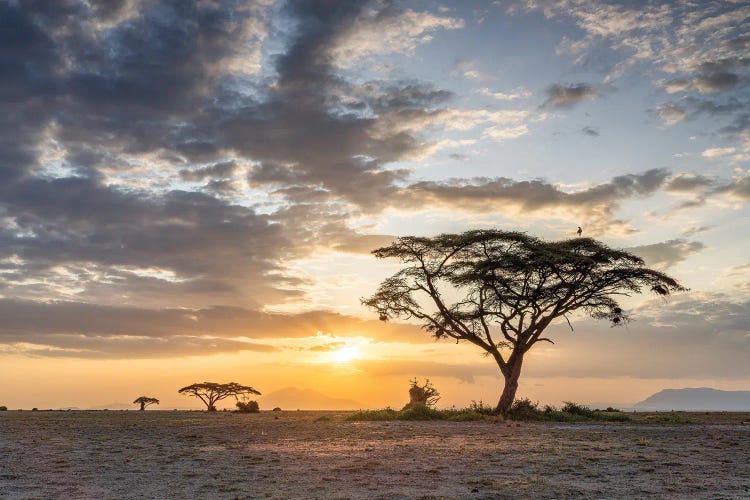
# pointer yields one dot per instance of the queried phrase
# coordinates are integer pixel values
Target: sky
(191, 191)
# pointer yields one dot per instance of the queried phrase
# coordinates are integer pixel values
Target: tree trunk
(211, 407)
(143, 406)
(511, 386)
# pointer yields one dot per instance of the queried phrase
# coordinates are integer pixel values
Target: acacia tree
(510, 287)
(211, 392)
(146, 401)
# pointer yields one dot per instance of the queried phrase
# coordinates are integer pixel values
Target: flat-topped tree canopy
(510, 287)
(145, 401)
(212, 392)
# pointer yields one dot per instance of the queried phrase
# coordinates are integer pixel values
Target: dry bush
(248, 407)
(422, 395)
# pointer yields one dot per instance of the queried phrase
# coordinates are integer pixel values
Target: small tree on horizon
(145, 401)
(211, 392)
(510, 287)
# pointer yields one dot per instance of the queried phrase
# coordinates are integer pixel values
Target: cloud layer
(163, 164)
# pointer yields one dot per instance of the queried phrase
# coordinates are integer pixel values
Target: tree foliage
(145, 401)
(211, 392)
(500, 290)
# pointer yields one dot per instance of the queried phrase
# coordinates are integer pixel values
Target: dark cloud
(104, 233)
(114, 88)
(687, 183)
(716, 82)
(590, 131)
(339, 131)
(503, 194)
(668, 253)
(564, 96)
(711, 76)
(739, 43)
(738, 188)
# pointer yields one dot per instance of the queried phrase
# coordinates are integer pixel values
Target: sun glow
(345, 354)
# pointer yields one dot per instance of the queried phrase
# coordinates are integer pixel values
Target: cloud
(113, 111)
(77, 237)
(225, 169)
(667, 254)
(717, 152)
(76, 329)
(693, 230)
(671, 114)
(686, 183)
(183, 157)
(383, 28)
(738, 189)
(564, 96)
(499, 133)
(710, 83)
(595, 204)
(691, 47)
(469, 68)
(590, 131)
(516, 93)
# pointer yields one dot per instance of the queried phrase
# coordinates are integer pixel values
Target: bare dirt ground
(165, 454)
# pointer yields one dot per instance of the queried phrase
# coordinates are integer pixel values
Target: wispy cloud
(517, 93)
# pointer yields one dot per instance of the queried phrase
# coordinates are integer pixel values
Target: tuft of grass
(463, 415)
(373, 415)
(323, 418)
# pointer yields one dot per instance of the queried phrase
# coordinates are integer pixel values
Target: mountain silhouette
(294, 398)
(701, 398)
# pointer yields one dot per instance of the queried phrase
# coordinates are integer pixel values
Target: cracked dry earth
(171, 454)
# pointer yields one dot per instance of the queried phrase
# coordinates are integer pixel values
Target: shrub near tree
(211, 392)
(510, 287)
(248, 407)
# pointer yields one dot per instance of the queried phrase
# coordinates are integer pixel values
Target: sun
(345, 354)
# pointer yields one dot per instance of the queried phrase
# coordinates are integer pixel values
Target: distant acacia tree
(211, 392)
(146, 401)
(508, 288)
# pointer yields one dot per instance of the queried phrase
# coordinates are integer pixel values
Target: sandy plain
(180, 454)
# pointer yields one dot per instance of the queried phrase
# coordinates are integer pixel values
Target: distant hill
(702, 398)
(294, 398)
